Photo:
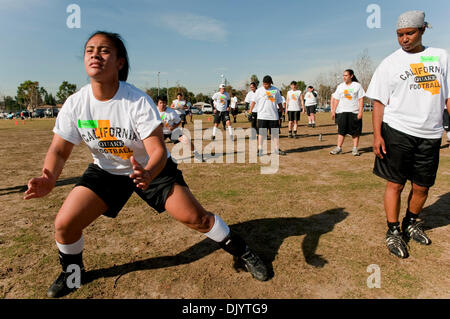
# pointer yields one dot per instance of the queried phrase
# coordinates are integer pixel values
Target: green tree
(200, 97)
(66, 89)
(29, 95)
(255, 79)
(10, 104)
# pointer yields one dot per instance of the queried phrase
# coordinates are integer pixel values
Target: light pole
(158, 82)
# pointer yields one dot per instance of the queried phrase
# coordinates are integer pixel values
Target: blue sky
(194, 42)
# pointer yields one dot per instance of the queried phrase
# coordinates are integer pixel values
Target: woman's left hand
(141, 177)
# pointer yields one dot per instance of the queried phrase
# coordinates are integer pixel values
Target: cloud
(195, 27)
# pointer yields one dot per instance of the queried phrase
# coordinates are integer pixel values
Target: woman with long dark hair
(122, 128)
(347, 110)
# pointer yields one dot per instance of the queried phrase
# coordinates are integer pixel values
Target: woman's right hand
(40, 186)
(379, 147)
(333, 115)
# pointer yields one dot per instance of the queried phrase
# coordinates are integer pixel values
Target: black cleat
(413, 230)
(63, 285)
(254, 265)
(396, 244)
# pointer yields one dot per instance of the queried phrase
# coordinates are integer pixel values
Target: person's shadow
(264, 236)
(437, 214)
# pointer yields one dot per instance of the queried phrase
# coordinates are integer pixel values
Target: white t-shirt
(113, 130)
(221, 101)
(348, 96)
(310, 99)
(169, 118)
(249, 98)
(267, 103)
(294, 100)
(178, 106)
(413, 87)
(233, 103)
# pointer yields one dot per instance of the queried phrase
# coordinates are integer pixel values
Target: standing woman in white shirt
(295, 104)
(268, 101)
(179, 105)
(253, 112)
(311, 105)
(233, 106)
(409, 89)
(122, 128)
(347, 109)
(221, 104)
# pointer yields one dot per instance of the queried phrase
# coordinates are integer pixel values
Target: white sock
(448, 135)
(214, 131)
(230, 130)
(71, 249)
(219, 231)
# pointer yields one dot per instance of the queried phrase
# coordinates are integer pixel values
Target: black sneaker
(396, 244)
(291, 136)
(254, 265)
(213, 138)
(60, 287)
(413, 230)
(280, 152)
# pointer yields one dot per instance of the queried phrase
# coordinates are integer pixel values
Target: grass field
(318, 223)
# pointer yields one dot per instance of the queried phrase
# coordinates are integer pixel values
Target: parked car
(22, 114)
(195, 110)
(207, 108)
(39, 113)
(51, 112)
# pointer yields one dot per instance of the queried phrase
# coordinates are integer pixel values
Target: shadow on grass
(437, 214)
(23, 188)
(309, 148)
(264, 236)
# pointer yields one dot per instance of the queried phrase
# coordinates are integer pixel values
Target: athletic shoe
(396, 244)
(280, 152)
(260, 153)
(254, 265)
(213, 138)
(355, 151)
(414, 230)
(313, 125)
(336, 150)
(295, 136)
(290, 135)
(59, 287)
(309, 124)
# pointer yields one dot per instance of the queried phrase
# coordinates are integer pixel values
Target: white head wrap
(412, 19)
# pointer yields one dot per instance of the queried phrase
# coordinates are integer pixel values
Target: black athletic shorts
(446, 121)
(268, 124)
(408, 158)
(311, 109)
(221, 117)
(115, 190)
(294, 115)
(254, 120)
(348, 123)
